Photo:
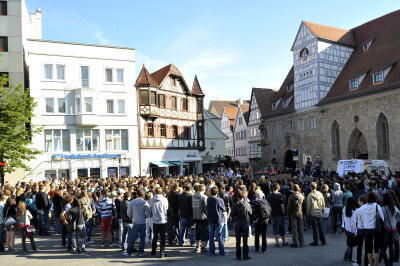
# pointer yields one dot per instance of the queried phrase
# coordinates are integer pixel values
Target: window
(144, 97)
(109, 75)
(61, 105)
(274, 106)
(174, 103)
(3, 8)
(175, 132)
(335, 141)
(300, 124)
(5, 76)
(88, 104)
(87, 139)
(49, 105)
(85, 76)
(313, 122)
(78, 105)
(3, 44)
(117, 139)
(290, 87)
(186, 132)
(110, 106)
(354, 84)
(120, 75)
(150, 129)
(161, 101)
(57, 140)
(382, 134)
(212, 145)
(163, 130)
(48, 71)
(304, 53)
(153, 98)
(184, 104)
(367, 45)
(377, 77)
(240, 121)
(60, 72)
(121, 106)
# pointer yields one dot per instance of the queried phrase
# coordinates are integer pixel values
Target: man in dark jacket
(241, 212)
(199, 204)
(295, 213)
(215, 214)
(260, 218)
(126, 221)
(43, 205)
(173, 215)
(223, 194)
(186, 215)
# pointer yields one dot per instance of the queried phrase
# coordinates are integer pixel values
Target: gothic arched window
(335, 141)
(382, 137)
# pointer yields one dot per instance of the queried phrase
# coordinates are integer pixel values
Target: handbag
(10, 220)
(30, 230)
(379, 224)
(326, 212)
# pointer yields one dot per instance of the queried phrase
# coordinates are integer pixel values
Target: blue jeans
(225, 233)
(43, 222)
(2, 236)
(57, 225)
(215, 230)
(137, 230)
(126, 228)
(317, 230)
(89, 229)
(183, 224)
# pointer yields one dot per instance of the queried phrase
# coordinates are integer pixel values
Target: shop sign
(59, 157)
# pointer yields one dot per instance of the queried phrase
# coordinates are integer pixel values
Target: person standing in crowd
(117, 203)
(138, 211)
(224, 195)
(10, 211)
(261, 213)
(215, 214)
(58, 206)
(347, 194)
(106, 212)
(357, 222)
(276, 201)
(337, 206)
(43, 205)
(76, 226)
(2, 227)
(90, 210)
(373, 239)
(199, 205)
(295, 212)
(241, 212)
(126, 220)
(349, 228)
(23, 219)
(326, 217)
(391, 215)
(315, 207)
(173, 215)
(186, 216)
(158, 210)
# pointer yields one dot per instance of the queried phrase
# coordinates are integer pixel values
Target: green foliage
(16, 112)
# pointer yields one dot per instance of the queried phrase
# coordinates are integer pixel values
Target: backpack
(265, 210)
(88, 210)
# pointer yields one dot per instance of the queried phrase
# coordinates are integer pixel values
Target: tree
(16, 112)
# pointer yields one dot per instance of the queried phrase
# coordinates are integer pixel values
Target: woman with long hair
(349, 228)
(10, 211)
(23, 218)
(390, 214)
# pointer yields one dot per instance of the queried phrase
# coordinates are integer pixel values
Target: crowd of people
(200, 210)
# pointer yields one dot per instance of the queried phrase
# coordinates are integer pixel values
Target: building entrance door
(357, 148)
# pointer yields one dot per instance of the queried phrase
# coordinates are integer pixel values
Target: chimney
(36, 24)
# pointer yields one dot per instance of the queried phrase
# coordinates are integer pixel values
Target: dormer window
(367, 45)
(354, 84)
(274, 106)
(377, 77)
(287, 101)
(290, 87)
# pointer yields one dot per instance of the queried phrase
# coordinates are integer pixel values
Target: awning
(162, 164)
(178, 163)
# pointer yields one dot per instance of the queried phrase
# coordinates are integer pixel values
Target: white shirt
(356, 219)
(347, 222)
(368, 214)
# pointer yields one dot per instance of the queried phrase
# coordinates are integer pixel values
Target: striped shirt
(106, 207)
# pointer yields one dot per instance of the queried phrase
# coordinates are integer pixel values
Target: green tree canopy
(16, 112)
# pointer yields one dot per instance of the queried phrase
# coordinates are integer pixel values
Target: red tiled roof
(384, 52)
(331, 33)
(145, 79)
(196, 89)
(160, 74)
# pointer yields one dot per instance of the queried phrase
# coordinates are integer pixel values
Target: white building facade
(86, 105)
(240, 132)
(227, 128)
(254, 138)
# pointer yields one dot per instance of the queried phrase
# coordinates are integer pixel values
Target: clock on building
(304, 53)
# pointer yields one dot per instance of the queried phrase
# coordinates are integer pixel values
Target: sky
(232, 46)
